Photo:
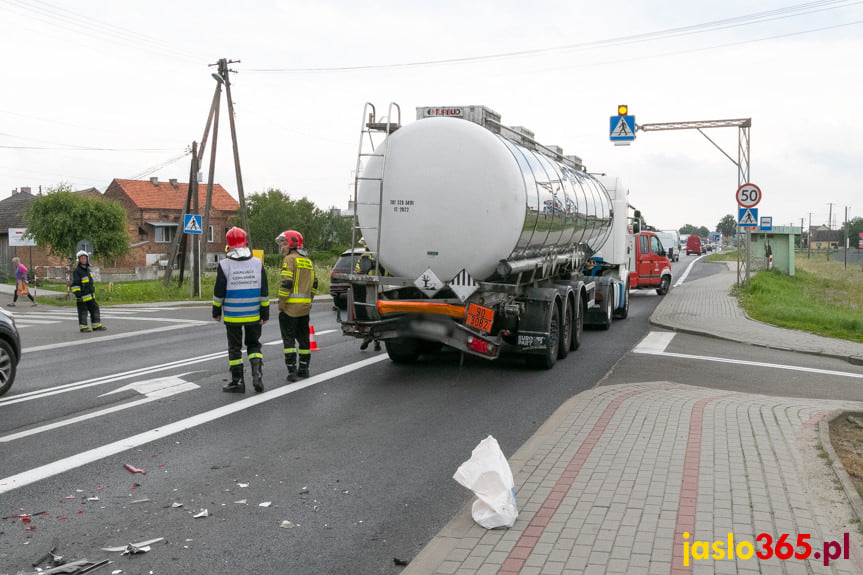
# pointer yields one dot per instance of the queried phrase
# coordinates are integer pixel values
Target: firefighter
(297, 288)
(240, 298)
(84, 290)
(365, 265)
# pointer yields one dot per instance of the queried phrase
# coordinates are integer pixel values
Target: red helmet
(236, 238)
(293, 238)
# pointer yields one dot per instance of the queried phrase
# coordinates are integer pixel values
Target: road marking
(655, 342)
(39, 394)
(90, 339)
(686, 273)
(649, 350)
(153, 390)
(68, 463)
(317, 333)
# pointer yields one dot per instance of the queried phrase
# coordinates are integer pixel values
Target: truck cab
(649, 264)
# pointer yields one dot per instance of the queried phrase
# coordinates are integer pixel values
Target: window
(164, 234)
(655, 246)
(210, 234)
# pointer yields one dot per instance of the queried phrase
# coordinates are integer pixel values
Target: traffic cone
(313, 344)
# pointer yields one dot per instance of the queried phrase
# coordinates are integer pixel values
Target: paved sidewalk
(646, 477)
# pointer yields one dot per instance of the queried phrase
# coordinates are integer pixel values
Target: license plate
(479, 317)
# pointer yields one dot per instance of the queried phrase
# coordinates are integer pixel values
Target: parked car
(346, 264)
(10, 351)
(693, 245)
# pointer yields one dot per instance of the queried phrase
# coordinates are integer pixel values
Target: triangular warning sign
(747, 219)
(622, 129)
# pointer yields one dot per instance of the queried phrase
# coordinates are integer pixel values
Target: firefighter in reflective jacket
(297, 288)
(85, 294)
(240, 299)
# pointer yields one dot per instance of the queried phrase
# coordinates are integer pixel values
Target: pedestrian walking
(296, 290)
(21, 287)
(84, 290)
(241, 300)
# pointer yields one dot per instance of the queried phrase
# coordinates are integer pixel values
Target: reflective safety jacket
(297, 286)
(82, 283)
(241, 292)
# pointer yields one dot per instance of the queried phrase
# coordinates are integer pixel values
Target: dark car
(347, 264)
(10, 351)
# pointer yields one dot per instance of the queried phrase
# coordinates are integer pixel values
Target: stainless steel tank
(452, 194)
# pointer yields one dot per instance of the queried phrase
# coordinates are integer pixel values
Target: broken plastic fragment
(136, 545)
(176, 505)
(287, 525)
(243, 484)
(265, 504)
(241, 501)
(201, 513)
(133, 469)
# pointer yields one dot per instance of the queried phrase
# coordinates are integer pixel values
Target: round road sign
(748, 195)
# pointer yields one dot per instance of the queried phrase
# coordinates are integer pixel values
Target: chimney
(173, 182)
(154, 180)
(15, 191)
(25, 189)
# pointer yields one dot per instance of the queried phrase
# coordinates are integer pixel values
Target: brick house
(12, 209)
(823, 237)
(155, 215)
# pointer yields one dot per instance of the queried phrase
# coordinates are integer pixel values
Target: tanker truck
(492, 243)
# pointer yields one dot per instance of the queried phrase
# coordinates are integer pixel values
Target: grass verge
(822, 297)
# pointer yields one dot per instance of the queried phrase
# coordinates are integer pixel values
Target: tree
(61, 218)
(690, 230)
(727, 226)
(855, 228)
(273, 212)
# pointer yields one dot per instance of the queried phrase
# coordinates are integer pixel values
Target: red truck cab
(649, 265)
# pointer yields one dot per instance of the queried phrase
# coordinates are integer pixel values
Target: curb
(854, 499)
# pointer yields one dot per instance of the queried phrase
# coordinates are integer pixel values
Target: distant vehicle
(693, 245)
(704, 244)
(669, 244)
(346, 264)
(683, 240)
(10, 351)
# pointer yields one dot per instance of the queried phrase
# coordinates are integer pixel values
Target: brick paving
(647, 477)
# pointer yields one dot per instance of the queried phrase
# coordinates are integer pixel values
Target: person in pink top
(21, 287)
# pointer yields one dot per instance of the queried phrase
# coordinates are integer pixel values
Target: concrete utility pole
(809, 238)
(224, 72)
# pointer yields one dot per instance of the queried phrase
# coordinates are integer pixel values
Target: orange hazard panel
(479, 317)
(420, 307)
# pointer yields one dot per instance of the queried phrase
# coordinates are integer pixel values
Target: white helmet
(82, 253)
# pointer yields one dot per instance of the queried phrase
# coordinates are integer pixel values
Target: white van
(669, 244)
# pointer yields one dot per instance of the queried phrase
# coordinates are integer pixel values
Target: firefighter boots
(292, 371)
(303, 372)
(257, 375)
(237, 385)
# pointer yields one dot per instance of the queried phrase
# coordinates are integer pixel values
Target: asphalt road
(349, 472)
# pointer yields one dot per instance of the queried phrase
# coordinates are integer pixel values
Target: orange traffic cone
(313, 343)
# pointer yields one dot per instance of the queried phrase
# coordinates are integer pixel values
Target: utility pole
(224, 72)
(845, 237)
(809, 238)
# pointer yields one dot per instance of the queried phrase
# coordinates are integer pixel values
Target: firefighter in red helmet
(296, 290)
(240, 299)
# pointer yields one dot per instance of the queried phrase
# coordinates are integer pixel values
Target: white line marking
(62, 465)
(154, 390)
(90, 339)
(688, 269)
(655, 342)
(317, 333)
(648, 351)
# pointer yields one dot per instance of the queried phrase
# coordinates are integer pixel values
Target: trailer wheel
(565, 334)
(609, 307)
(547, 359)
(578, 329)
(403, 350)
(664, 284)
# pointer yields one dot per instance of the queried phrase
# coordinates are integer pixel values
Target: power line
(737, 21)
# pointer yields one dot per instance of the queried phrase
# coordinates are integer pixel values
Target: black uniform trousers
(295, 330)
(84, 307)
(236, 340)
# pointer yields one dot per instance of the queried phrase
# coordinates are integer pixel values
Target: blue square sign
(192, 224)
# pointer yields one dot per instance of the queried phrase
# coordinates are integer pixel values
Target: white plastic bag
(488, 475)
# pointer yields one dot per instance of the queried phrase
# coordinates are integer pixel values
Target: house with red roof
(155, 216)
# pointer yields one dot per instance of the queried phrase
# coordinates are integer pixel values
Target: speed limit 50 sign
(748, 195)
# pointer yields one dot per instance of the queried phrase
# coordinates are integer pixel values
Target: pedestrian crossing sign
(192, 224)
(747, 217)
(622, 128)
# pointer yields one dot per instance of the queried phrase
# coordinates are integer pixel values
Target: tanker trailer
(488, 239)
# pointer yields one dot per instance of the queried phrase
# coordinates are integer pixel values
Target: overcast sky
(96, 90)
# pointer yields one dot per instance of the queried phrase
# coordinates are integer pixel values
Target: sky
(97, 90)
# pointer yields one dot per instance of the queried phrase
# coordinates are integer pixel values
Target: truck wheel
(664, 284)
(609, 307)
(341, 302)
(565, 334)
(547, 359)
(578, 328)
(403, 350)
(621, 313)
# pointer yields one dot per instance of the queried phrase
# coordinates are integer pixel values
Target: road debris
(25, 515)
(242, 501)
(400, 562)
(176, 505)
(287, 525)
(201, 513)
(133, 469)
(55, 559)
(265, 503)
(78, 567)
(138, 545)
